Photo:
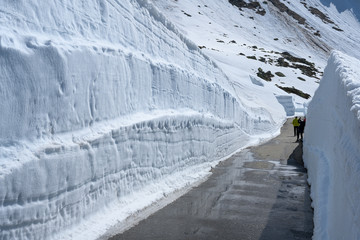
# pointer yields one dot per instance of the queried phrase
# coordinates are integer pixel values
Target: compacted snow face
(332, 150)
(98, 99)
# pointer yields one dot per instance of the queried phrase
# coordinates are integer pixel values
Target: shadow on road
(291, 217)
(295, 157)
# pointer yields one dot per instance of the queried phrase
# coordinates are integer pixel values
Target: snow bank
(100, 99)
(67, 66)
(287, 101)
(66, 180)
(332, 150)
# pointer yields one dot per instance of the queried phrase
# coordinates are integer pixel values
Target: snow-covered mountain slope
(331, 150)
(247, 35)
(105, 100)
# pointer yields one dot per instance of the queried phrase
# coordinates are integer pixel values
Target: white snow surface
(109, 106)
(229, 36)
(101, 102)
(332, 150)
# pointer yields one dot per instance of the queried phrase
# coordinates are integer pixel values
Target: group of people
(299, 125)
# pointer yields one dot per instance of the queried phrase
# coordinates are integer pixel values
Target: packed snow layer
(96, 61)
(103, 98)
(332, 150)
(288, 103)
(64, 181)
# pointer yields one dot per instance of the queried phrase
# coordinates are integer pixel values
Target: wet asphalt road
(259, 193)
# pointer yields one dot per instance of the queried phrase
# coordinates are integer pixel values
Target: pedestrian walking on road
(296, 124)
(300, 129)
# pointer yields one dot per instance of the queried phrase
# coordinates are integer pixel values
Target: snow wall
(97, 99)
(287, 102)
(332, 150)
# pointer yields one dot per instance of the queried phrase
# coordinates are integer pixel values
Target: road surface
(259, 193)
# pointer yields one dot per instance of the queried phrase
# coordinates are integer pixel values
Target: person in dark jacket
(300, 130)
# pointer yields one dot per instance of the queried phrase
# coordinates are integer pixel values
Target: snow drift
(99, 99)
(332, 150)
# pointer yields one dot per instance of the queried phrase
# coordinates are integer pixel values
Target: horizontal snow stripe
(66, 185)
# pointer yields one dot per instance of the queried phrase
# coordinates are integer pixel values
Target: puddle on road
(259, 165)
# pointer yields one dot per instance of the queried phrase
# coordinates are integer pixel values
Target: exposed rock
(251, 57)
(186, 13)
(282, 63)
(283, 8)
(256, 6)
(316, 12)
(302, 79)
(264, 75)
(320, 15)
(294, 91)
(291, 58)
(262, 59)
(338, 29)
(280, 74)
(317, 33)
(307, 68)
